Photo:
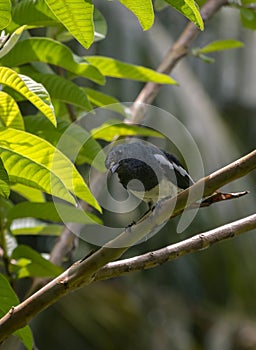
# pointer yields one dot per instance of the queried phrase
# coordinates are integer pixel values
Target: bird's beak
(114, 167)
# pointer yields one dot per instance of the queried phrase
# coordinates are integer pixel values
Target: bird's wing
(173, 170)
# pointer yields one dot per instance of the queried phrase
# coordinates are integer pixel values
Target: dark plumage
(160, 173)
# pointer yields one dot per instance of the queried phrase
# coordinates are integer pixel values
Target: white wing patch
(163, 161)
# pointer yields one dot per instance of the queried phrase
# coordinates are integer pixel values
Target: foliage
(61, 85)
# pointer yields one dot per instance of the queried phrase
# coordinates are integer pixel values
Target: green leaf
(33, 14)
(9, 44)
(60, 88)
(100, 25)
(8, 300)
(76, 143)
(248, 18)
(50, 211)
(52, 52)
(143, 10)
(10, 115)
(29, 193)
(248, 2)
(26, 262)
(107, 131)
(30, 89)
(37, 229)
(77, 17)
(5, 13)
(34, 162)
(117, 69)
(26, 336)
(4, 181)
(100, 99)
(189, 9)
(220, 45)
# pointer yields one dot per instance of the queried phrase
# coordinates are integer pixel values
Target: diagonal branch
(173, 56)
(85, 271)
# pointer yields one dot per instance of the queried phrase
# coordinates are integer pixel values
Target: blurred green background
(206, 300)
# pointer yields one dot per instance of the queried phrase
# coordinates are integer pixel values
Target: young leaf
(143, 10)
(52, 52)
(5, 13)
(107, 131)
(189, 9)
(30, 89)
(8, 300)
(220, 45)
(117, 69)
(9, 44)
(50, 211)
(29, 263)
(34, 162)
(10, 115)
(4, 181)
(77, 17)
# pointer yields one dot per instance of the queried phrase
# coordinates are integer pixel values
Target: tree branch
(174, 251)
(85, 271)
(176, 53)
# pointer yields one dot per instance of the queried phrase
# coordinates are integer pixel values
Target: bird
(147, 171)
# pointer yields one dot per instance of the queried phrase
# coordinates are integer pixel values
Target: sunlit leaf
(77, 17)
(30, 89)
(189, 9)
(220, 45)
(143, 10)
(117, 69)
(107, 131)
(32, 161)
(52, 52)
(9, 44)
(9, 112)
(4, 181)
(30, 193)
(36, 229)
(5, 13)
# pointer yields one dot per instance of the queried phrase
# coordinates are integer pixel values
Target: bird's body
(146, 171)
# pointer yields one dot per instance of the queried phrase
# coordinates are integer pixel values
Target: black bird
(147, 171)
